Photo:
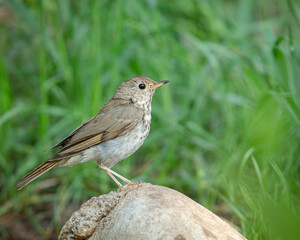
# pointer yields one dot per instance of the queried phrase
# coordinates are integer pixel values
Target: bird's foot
(129, 184)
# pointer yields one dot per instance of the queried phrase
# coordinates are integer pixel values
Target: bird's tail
(46, 166)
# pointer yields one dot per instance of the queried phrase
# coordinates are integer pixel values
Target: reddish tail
(46, 166)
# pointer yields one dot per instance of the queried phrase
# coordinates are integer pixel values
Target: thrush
(116, 132)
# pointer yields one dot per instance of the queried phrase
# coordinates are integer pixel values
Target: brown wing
(65, 141)
(115, 119)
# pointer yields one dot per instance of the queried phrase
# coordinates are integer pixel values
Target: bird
(117, 131)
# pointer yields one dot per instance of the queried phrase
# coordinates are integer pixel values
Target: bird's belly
(115, 150)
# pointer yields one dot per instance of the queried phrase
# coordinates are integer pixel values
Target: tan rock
(145, 211)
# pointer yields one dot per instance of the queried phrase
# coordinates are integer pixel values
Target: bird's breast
(147, 119)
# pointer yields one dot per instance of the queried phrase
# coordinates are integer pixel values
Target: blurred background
(225, 131)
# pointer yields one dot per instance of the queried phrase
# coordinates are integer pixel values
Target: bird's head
(138, 90)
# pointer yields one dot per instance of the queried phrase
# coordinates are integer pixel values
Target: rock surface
(145, 211)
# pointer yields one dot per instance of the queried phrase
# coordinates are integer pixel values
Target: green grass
(225, 131)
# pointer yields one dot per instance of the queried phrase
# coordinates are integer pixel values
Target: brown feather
(113, 119)
(116, 118)
(63, 142)
(46, 166)
(86, 143)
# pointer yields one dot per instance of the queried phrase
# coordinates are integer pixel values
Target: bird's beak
(158, 84)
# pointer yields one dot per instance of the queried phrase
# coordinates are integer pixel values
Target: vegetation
(225, 131)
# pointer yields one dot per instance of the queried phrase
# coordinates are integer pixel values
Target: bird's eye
(142, 86)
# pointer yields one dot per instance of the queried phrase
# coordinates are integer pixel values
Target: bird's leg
(111, 172)
(121, 177)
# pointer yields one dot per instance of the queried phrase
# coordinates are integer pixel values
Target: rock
(145, 211)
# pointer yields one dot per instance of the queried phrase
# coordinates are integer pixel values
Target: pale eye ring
(142, 86)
